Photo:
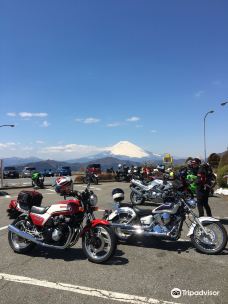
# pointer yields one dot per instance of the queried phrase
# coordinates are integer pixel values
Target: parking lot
(142, 271)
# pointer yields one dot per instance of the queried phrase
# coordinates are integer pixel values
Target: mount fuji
(124, 150)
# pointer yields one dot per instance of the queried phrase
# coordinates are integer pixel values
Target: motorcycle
(37, 180)
(123, 175)
(91, 178)
(61, 225)
(141, 191)
(207, 234)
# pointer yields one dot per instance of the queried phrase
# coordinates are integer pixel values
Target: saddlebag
(27, 199)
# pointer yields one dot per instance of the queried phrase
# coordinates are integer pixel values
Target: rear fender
(93, 224)
(122, 210)
(203, 219)
(13, 204)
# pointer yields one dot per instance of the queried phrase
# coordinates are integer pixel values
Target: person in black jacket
(203, 183)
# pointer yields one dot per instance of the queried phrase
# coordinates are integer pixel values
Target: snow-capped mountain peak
(126, 148)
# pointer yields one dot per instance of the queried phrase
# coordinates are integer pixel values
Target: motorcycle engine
(162, 218)
(161, 222)
(56, 231)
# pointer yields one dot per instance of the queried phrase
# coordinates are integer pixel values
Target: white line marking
(92, 292)
(5, 227)
(94, 188)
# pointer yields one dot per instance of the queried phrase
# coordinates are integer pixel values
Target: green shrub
(222, 182)
(224, 160)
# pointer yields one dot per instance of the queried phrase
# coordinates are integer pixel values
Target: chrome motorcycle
(207, 234)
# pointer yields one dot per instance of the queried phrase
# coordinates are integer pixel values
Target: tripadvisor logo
(177, 293)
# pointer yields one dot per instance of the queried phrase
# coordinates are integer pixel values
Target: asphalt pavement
(142, 271)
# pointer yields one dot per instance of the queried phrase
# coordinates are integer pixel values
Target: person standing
(203, 186)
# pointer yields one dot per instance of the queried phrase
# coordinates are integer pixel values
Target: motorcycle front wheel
(136, 199)
(99, 244)
(18, 244)
(95, 181)
(212, 243)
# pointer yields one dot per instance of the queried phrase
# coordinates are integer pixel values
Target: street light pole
(223, 104)
(1, 161)
(204, 131)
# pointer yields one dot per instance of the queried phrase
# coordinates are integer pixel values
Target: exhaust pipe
(30, 238)
(138, 230)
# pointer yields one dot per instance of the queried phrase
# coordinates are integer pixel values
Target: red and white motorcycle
(61, 225)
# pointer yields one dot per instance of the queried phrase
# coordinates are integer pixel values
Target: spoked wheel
(18, 244)
(136, 199)
(213, 242)
(120, 233)
(99, 244)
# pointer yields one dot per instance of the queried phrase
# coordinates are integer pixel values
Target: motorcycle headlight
(191, 203)
(93, 199)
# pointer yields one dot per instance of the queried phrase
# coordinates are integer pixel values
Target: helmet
(193, 163)
(63, 185)
(118, 194)
(119, 166)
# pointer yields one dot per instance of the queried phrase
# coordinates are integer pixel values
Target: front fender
(93, 224)
(202, 219)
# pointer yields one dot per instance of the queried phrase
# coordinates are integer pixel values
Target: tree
(214, 160)
(224, 160)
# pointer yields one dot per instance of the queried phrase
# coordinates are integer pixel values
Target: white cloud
(199, 93)
(7, 145)
(133, 119)
(29, 114)
(89, 120)
(12, 114)
(27, 148)
(45, 124)
(39, 142)
(114, 124)
(71, 150)
(153, 131)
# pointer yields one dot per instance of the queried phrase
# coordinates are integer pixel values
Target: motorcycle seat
(39, 210)
(142, 212)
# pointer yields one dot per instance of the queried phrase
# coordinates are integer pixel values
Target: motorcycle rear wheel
(17, 243)
(120, 233)
(99, 244)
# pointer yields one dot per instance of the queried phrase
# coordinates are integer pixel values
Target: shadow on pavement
(148, 242)
(73, 254)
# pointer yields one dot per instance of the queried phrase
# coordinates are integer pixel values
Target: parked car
(94, 168)
(48, 173)
(63, 171)
(27, 171)
(10, 172)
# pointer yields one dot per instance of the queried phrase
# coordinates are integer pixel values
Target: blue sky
(79, 75)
